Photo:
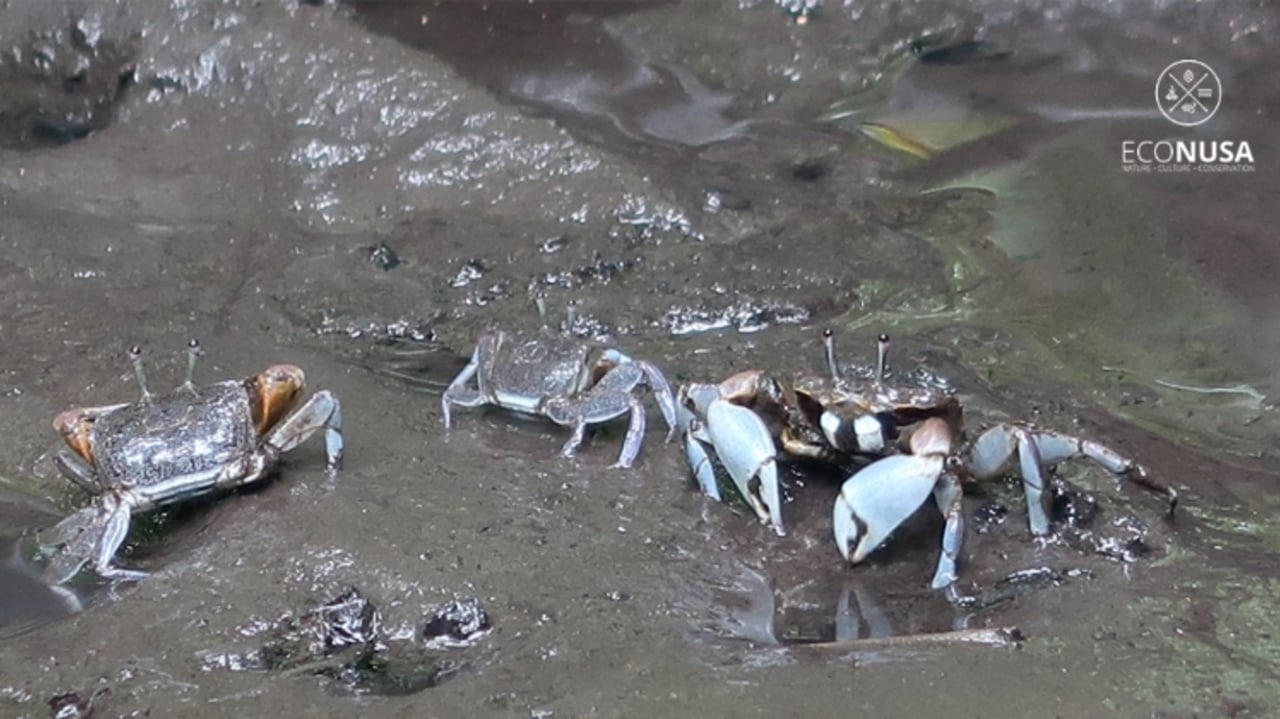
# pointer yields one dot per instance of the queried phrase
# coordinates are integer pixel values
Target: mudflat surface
(361, 189)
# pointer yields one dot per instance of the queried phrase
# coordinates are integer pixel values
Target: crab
(183, 445)
(561, 378)
(911, 432)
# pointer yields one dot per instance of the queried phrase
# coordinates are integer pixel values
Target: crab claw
(273, 393)
(879, 497)
(745, 448)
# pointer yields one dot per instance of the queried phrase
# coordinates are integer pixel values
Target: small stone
(384, 257)
(457, 624)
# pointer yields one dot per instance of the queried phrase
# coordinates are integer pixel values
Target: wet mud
(360, 189)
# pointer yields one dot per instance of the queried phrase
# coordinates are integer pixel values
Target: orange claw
(273, 392)
(74, 426)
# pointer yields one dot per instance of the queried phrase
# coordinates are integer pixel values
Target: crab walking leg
(695, 450)
(611, 397)
(948, 495)
(458, 392)
(322, 411)
(113, 533)
(576, 438)
(662, 393)
(1055, 447)
(635, 435)
(745, 448)
(95, 533)
(994, 452)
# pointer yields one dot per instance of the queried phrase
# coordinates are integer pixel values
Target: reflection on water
(572, 63)
(27, 602)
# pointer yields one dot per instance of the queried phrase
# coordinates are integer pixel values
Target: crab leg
(695, 435)
(322, 411)
(611, 397)
(662, 393)
(948, 495)
(994, 451)
(745, 448)
(458, 392)
(95, 533)
(112, 533)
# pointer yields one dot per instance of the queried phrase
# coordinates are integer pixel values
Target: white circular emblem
(1188, 93)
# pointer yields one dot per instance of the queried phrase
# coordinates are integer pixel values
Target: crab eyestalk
(135, 357)
(882, 357)
(829, 345)
(540, 301)
(570, 316)
(193, 355)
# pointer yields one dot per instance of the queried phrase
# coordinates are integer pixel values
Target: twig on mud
(990, 636)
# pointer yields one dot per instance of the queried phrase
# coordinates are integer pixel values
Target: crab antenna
(540, 301)
(135, 357)
(829, 344)
(193, 354)
(882, 357)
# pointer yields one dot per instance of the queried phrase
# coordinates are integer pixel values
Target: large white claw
(879, 498)
(745, 448)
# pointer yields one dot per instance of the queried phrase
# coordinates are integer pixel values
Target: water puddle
(27, 602)
(756, 590)
(573, 64)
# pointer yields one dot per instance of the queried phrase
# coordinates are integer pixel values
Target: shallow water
(359, 190)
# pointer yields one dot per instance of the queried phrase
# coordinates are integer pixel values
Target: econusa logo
(1186, 151)
(1189, 94)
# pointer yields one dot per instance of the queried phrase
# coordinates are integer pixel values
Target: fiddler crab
(561, 378)
(165, 449)
(744, 420)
